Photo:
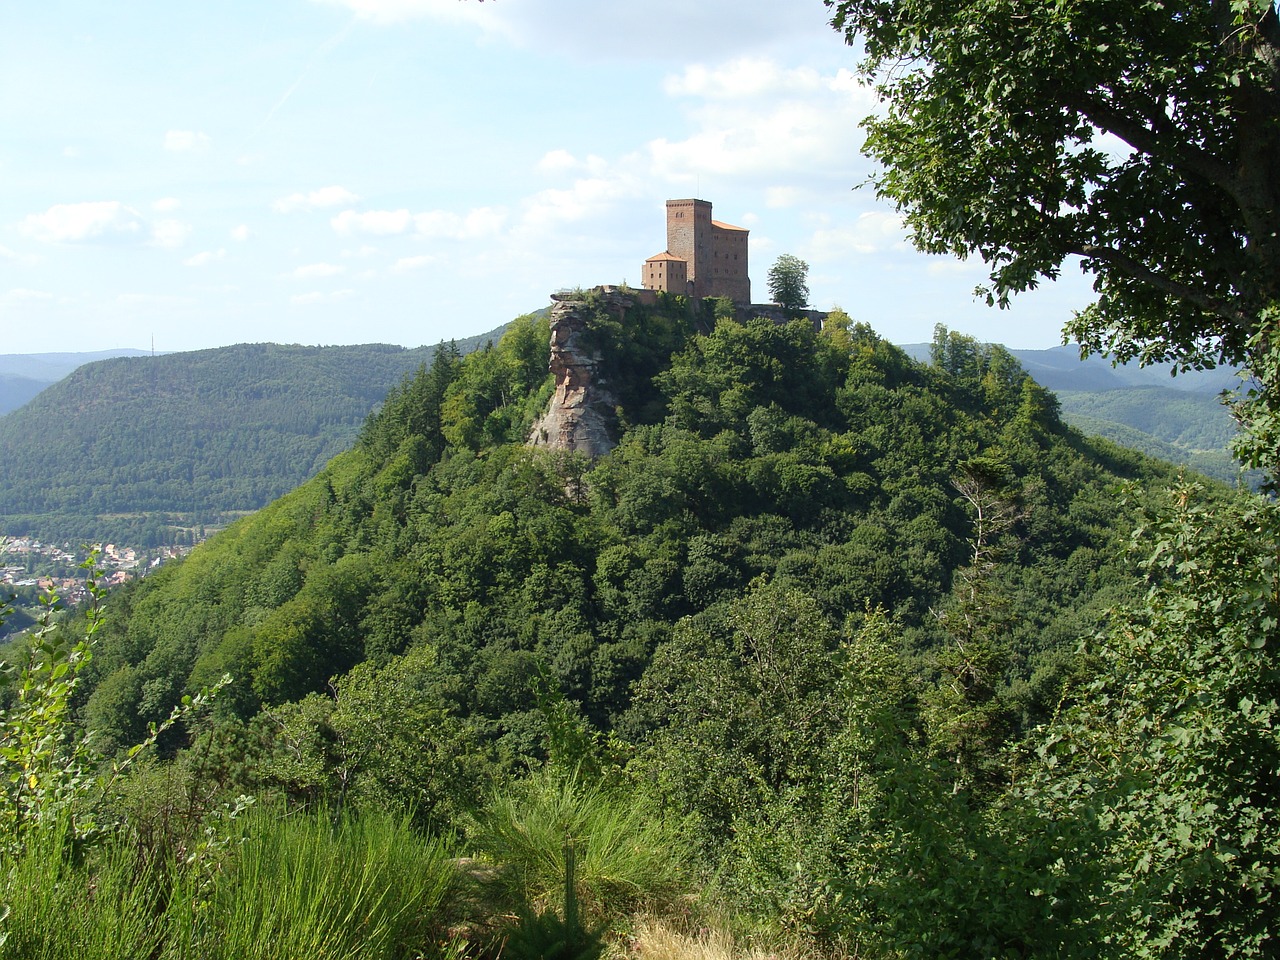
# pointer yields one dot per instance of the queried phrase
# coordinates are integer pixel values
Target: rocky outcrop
(581, 416)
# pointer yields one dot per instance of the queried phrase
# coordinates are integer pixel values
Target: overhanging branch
(1140, 271)
(1184, 156)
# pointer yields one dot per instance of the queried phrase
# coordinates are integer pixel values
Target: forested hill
(1177, 418)
(754, 458)
(23, 375)
(852, 627)
(122, 445)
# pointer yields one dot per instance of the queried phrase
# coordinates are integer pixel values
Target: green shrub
(628, 856)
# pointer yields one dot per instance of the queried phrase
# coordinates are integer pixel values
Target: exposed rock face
(581, 415)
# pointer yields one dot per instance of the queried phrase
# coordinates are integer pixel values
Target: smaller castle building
(704, 257)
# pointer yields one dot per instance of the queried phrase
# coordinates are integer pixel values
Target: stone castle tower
(704, 257)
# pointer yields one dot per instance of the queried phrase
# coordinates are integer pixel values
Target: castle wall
(729, 264)
(704, 258)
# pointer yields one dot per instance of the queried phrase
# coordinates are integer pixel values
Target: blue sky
(407, 171)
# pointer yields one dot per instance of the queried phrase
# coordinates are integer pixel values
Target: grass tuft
(627, 858)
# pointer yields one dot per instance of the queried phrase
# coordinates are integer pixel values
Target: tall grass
(367, 888)
(108, 906)
(627, 858)
(299, 887)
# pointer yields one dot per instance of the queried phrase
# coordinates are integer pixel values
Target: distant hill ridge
(122, 444)
(1060, 368)
(23, 375)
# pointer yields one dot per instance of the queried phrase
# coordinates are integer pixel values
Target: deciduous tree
(789, 283)
(1138, 137)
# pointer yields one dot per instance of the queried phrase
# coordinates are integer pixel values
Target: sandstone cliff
(581, 415)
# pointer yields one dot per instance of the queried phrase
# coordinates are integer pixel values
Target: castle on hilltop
(704, 257)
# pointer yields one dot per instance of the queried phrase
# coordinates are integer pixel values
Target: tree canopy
(789, 282)
(1139, 137)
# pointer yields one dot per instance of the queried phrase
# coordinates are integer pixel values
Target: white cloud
(406, 264)
(152, 300)
(380, 223)
(562, 161)
(101, 221)
(740, 79)
(361, 252)
(23, 258)
(165, 204)
(587, 197)
(170, 233)
(398, 11)
(21, 293)
(71, 153)
(313, 271)
(800, 137)
(476, 224)
(186, 141)
(752, 117)
(875, 231)
(302, 299)
(333, 196)
(943, 266)
(706, 27)
(557, 161)
(778, 197)
(205, 257)
(241, 233)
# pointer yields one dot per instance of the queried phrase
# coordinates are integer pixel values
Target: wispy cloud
(313, 271)
(170, 233)
(303, 299)
(755, 118)
(398, 11)
(333, 196)
(875, 231)
(475, 224)
(407, 264)
(740, 79)
(24, 294)
(562, 161)
(378, 223)
(205, 257)
(101, 221)
(186, 141)
(153, 300)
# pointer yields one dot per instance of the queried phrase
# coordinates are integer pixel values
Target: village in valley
(31, 565)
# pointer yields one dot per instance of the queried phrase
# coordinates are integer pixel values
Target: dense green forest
(133, 448)
(1172, 415)
(827, 464)
(143, 450)
(842, 635)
